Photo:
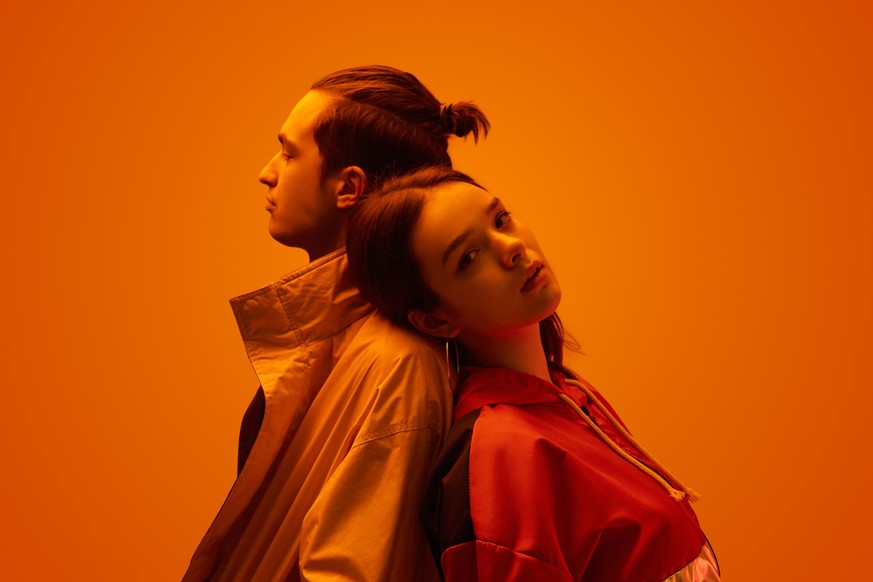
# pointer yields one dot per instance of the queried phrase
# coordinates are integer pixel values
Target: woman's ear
(433, 323)
(351, 187)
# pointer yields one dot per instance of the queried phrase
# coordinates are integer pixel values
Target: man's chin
(287, 241)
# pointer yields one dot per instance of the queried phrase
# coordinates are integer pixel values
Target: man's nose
(268, 174)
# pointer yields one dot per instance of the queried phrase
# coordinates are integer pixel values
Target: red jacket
(525, 489)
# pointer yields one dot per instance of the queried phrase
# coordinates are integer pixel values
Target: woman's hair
(387, 123)
(380, 255)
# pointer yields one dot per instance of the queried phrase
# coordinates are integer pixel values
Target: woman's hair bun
(462, 119)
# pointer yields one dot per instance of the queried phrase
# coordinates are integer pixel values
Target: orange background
(699, 175)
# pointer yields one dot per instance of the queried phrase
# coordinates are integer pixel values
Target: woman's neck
(521, 351)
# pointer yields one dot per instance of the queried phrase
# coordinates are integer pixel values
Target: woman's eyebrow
(456, 242)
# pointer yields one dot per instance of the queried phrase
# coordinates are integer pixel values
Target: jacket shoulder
(401, 374)
(384, 342)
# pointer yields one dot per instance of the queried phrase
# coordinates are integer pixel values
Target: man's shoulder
(402, 375)
(393, 359)
(384, 340)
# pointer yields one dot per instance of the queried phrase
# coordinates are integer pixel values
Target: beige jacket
(356, 410)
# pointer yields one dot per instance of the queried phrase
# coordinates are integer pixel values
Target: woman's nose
(513, 250)
(268, 174)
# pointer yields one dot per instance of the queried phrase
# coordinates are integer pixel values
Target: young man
(336, 446)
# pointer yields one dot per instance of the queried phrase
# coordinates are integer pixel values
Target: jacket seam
(392, 430)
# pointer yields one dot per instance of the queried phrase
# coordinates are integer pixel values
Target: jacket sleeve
(364, 524)
(448, 522)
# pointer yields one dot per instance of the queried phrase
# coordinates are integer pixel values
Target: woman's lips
(535, 276)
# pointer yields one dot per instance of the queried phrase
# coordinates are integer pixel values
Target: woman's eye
(467, 260)
(502, 219)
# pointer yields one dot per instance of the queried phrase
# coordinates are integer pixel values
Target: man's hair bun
(462, 119)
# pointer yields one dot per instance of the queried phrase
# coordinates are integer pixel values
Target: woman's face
(485, 266)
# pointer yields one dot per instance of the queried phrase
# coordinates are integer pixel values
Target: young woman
(539, 479)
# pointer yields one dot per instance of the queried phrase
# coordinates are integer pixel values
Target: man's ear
(433, 323)
(351, 187)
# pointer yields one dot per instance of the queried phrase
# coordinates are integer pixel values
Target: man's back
(353, 419)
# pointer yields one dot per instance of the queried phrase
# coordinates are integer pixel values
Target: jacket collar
(311, 304)
(489, 386)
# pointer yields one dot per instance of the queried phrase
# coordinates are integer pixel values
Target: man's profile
(352, 409)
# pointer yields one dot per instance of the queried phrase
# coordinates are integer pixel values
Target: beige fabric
(704, 568)
(356, 409)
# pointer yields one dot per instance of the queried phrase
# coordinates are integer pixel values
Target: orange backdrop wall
(699, 174)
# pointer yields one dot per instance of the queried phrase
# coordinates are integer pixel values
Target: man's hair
(387, 123)
(381, 261)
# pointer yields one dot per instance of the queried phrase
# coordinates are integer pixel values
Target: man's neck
(326, 245)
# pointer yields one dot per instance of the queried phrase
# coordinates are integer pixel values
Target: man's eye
(502, 219)
(467, 260)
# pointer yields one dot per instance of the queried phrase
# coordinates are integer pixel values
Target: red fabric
(487, 559)
(549, 500)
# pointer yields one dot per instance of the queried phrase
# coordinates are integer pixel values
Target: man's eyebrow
(458, 240)
(286, 143)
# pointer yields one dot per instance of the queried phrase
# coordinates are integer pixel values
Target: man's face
(302, 206)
